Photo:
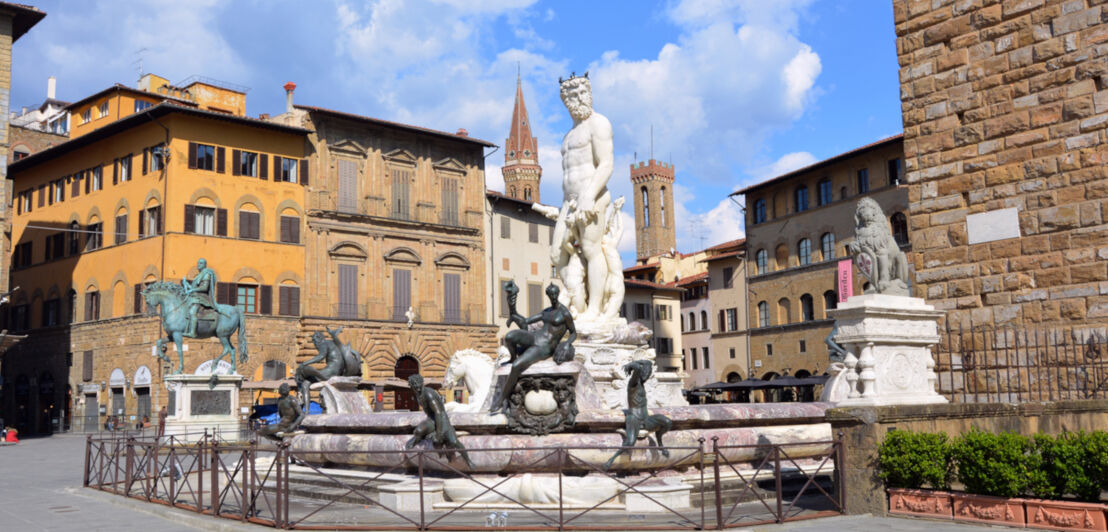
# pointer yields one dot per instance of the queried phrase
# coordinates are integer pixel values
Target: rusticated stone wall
(1005, 106)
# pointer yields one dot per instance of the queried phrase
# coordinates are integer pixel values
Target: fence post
(285, 464)
(719, 494)
(422, 525)
(128, 473)
(777, 480)
(561, 506)
(199, 498)
(840, 472)
(700, 449)
(215, 477)
(88, 458)
(247, 462)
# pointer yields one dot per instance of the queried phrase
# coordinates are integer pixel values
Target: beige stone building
(656, 306)
(727, 295)
(517, 244)
(797, 228)
(1005, 106)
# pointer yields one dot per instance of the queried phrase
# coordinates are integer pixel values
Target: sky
(735, 91)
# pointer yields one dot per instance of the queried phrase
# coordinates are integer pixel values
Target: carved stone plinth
(605, 362)
(547, 397)
(197, 406)
(340, 395)
(888, 341)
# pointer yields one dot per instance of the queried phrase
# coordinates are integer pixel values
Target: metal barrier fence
(1016, 365)
(273, 486)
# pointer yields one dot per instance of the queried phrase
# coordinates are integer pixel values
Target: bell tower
(521, 169)
(655, 234)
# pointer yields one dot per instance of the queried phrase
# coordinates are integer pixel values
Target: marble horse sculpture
(636, 417)
(437, 425)
(340, 361)
(170, 300)
(876, 252)
(474, 369)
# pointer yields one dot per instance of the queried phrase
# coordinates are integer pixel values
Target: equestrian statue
(188, 310)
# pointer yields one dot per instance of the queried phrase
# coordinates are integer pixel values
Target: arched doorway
(806, 393)
(406, 366)
(141, 388)
(46, 403)
(771, 395)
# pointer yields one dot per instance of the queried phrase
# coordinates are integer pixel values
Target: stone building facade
(797, 228)
(696, 330)
(517, 244)
(1005, 106)
(26, 141)
(656, 306)
(727, 294)
(652, 187)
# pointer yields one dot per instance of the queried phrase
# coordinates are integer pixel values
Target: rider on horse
(200, 293)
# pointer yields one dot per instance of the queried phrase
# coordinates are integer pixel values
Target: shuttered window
(534, 299)
(401, 293)
(400, 194)
(503, 299)
(121, 229)
(348, 291)
(452, 297)
(348, 186)
(86, 366)
(450, 201)
(249, 225)
(290, 229)
(92, 306)
(505, 227)
(533, 232)
(288, 303)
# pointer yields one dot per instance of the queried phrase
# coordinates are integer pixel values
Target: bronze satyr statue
(527, 347)
(876, 252)
(341, 361)
(291, 416)
(636, 417)
(437, 425)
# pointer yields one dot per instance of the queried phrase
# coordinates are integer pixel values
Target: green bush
(1002, 465)
(1074, 463)
(914, 459)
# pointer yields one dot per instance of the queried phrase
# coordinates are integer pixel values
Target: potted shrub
(994, 468)
(908, 462)
(1075, 464)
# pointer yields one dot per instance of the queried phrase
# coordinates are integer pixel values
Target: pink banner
(845, 279)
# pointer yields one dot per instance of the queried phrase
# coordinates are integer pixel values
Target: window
(97, 178)
(20, 153)
(863, 181)
(246, 298)
(74, 238)
(288, 301)
(150, 221)
(801, 199)
(664, 346)
(203, 220)
(55, 246)
(21, 255)
(246, 164)
(824, 191)
(732, 319)
(692, 355)
(92, 305)
(401, 293)
(534, 299)
(662, 205)
(59, 191)
(722, 321)
(141, 105)
(728, 277)
(645, 207)
(533, 232)
(803, 346)
(707, 357)
(769, 349)
(505, 227)
(827, 246)
(760, 260)
(731, 352)
(760, 211)
(527, 193)
(290, 229)
(895, 171)
(121, 229)
(783, 314)
(86, 116)
(205, 157)
(249, 225)
(103, 111)
(125, 169)
(400, 180)
(452, 298)
(21, 317)
(51, 312)
(704, 319)
(807, 311)
(830, 301)
(692, 321)
(642, 312)
(804, 251)
(450, 205)
(154, 156)
(288, 170)
(899, 223)
(348, 185)
(95, 236)
(682, 323)
(26, 203)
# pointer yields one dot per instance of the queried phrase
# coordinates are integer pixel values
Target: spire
(521, 169)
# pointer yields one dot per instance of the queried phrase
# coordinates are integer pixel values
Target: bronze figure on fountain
(341, 361)
(437, 425)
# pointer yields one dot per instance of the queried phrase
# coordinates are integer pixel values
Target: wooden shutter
(452, 297)
(141, 224)
(248, 225)
(115, 172)
(266, 306)
(348, 291)
(190, 219)
(290, 229)
(145, 160)
(292, 300)
(400, 193)
(130, 166)
(220, 153)
(533, 232)
(277, 169)
(221, 222)
(450, 201)
(138, 298)
(534, 299)
(61, 188)
(75, 190)
(722, 322)
(348, 185)
(401, 291)
(160, 225)
(222, 293)
(236, 157)
(88, 180)
(86, 370)
(263, 165)
(503, 300)
(505, 227)
(303, 171)
(88, 306)
(59, 245)
(42, 195)
(192, 155)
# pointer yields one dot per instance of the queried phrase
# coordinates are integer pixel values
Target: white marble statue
(586, 261)
(475, 369)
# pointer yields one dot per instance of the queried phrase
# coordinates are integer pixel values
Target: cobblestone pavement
(40, 489)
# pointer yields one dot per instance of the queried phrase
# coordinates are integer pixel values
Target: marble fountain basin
(376, 440)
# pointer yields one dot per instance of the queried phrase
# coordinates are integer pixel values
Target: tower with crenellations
(655, 234)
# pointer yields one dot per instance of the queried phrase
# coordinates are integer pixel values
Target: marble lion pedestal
(196, 406)
(888, 341)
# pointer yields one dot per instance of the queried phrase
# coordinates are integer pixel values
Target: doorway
(406, 366)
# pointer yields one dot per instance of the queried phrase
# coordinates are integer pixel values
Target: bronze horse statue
(170, 298)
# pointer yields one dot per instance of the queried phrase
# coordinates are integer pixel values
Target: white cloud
(696, 231)
(783, 165)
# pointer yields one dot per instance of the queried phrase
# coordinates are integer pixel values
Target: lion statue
(876, 252)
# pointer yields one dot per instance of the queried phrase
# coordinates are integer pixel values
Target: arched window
(804, 251)
(512, 191)
(527, 193)
(692, 321)
(760, 259)
(645, 207)
(759, 211)
(783, 311)
(763, 314)
(807, 308)
(824, 191)
(782, 257)
(406, 366)
(827, 246)
(830, 301)
(704, 319)
(801, 199)
(842, 192)
(900, 228)
(74, 238)
(662, 205)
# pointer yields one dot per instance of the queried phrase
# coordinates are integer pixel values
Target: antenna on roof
(651, 141)
(139, 61)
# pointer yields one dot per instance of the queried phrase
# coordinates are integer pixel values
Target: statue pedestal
(340, 395)
(888, 341)
(605, 362)
(195, 406)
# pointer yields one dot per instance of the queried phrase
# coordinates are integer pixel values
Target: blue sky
(737, 91)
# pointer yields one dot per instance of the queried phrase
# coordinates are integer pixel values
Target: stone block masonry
(1004, 106)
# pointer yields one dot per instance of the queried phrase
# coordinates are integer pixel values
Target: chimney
(462, 132)
(289, 88)
(51, 87)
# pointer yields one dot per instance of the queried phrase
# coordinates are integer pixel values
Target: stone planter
(921, 503)
(1065, 515)
(992, 510)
